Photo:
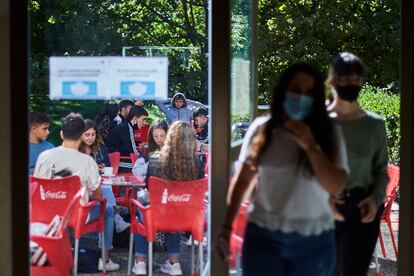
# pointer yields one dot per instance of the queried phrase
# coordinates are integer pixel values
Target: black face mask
(348, 92)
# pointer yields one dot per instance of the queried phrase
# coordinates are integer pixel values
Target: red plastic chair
(207, 161)
(54, 195)
(133, 157)
(57, 247)
(237, 236)
(390, 195)
(114, 159)
(32, 186)
(174, 207)
(51, 197)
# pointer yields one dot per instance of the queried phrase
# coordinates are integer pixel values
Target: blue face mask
(297, 107)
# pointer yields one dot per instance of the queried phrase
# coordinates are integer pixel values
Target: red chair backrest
(177, 206)
(58, 247)
(240, 222)
(71, 211)
(391, 190)
(114, 158)
(207, 161)
(51, 197)
(133, 157)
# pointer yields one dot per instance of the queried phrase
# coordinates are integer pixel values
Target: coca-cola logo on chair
(51, 195)
(179, 198)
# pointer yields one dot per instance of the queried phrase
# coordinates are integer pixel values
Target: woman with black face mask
(298, 157)
(359, 207)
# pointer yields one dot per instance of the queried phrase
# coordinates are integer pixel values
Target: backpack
(88, 260)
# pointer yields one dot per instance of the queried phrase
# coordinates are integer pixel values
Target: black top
(115, 121)
(202, 134)
(101, 156)
(121, 138)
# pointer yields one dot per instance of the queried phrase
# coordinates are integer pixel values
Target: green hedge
(387, 105)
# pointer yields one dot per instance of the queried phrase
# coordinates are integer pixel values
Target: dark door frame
(220, 85)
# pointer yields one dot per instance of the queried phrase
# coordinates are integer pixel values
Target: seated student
(177, 160)
(104, 119)
(92, 145)
(200, 117)
(68, 158)
(156, 138)
(179, 109)
(39, 130)
(121, 137)
(124, 106)
(141, 131)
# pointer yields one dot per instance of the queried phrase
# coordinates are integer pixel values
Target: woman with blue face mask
(298, 157)
(361, 204)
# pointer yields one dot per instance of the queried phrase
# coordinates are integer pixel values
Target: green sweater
(366, 143)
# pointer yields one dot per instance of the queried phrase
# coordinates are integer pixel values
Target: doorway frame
(18, 215)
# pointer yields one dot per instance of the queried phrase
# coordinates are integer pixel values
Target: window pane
(241, 68)
(177, 30)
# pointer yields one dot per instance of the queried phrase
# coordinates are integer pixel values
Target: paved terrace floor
(388, 266)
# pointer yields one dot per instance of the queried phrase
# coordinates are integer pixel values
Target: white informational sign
(99, 78)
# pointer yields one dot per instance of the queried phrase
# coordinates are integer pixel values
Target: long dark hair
(318, 120)
(95, 146)
(159, 124)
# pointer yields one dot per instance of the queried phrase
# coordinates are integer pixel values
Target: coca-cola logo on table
(179, 198)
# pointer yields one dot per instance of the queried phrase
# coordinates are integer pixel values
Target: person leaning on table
(299, 157)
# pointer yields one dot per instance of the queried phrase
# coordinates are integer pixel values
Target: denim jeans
(108, 221)
(267, 252)
(109, 195)
(141, 244)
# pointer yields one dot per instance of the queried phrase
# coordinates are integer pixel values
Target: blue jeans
(267, 252)
(141, 244)
(108, 221)
(109, 195)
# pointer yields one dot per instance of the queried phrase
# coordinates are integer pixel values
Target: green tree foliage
(316, 31)
(98, 28)
(387, 105)
(289, 30)
(102, 28)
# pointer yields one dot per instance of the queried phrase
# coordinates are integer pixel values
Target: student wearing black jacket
(124, 107)
(121, 137)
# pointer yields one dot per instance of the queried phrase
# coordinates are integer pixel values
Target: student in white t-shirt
(298, 156)
(68, 158)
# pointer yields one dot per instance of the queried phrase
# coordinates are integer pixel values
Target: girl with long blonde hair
(178, 161)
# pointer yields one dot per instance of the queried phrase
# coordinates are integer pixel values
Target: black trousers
(355, 241)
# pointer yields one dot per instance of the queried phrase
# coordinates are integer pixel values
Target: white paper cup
(108, 171)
